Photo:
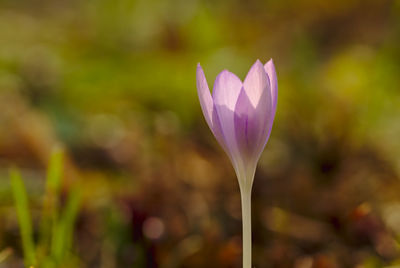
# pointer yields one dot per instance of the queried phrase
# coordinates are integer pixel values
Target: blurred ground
(113, 82)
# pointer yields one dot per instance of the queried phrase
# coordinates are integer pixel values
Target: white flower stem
(246, 222)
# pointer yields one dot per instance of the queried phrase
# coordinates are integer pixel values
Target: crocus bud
(240, 114)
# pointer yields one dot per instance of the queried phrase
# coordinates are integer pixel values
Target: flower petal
(203, 91)
(254, 111)
(256, 83)
(226, 89)
(225, 94)
(252, 124)
(207, 106)
(270, 69)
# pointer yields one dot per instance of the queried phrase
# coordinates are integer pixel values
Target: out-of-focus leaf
(24, 219)
(50, 201)
(63, 235)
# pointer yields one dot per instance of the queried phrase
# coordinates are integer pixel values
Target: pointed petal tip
(201, 79)
(255, 68)
(258, 65)
(269, 65)
(228, 75)
(258, 62)
(219, 77)
(200, 73)
(224, 71)
(256, 82)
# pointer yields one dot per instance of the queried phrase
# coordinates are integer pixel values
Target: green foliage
(63, 229)
(57, 223)
(24, 219)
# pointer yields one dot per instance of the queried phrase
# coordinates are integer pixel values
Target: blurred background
(113, 84)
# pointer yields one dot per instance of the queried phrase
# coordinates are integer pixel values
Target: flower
(241, 114)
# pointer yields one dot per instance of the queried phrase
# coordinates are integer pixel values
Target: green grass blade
(50, 202)
(24, 219)
(54, 172)
(62, 242)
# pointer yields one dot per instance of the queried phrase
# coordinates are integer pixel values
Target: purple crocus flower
(240, 114)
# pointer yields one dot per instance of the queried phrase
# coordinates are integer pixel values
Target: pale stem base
(246, 222)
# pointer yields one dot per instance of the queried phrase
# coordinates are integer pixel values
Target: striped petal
(256, 82)
(207, 106)
(225, 94)
(270, 69)
(253, 113)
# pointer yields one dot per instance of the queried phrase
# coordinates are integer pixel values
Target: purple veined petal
(270, 69)
(253, 123)
(257, 87)
(207, 106)
(225, 94)
(255, 83)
